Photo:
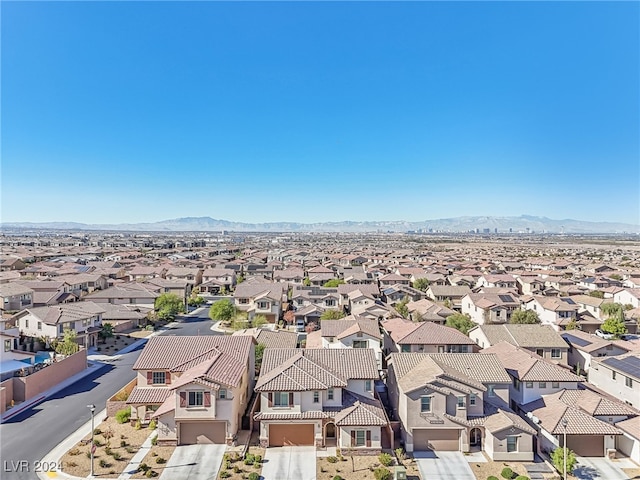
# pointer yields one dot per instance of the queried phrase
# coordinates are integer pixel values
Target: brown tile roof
(277, 339)
(345, 327)
(425, 333)
(496, 419)
(308, 415)
(315, 369)
(148, 395)
(595, 404)
(359, 410)
(631, 426)
(529, 367)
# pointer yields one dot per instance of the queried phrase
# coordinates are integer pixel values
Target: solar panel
(631, 368)
(581, 342)
(505, 298)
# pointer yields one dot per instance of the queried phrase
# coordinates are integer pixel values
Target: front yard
(234, 467)
(115, 444)
(154, 461)
(359, 467)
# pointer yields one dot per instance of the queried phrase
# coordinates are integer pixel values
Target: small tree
(421, 284)
(557, 457)
(613, 310)
(332, 315)
(68, 345)
(259, 321)
(524, 316)
(461, 322)
(306, 282)
(259, 354)
(106, 332)
(333, 283)
(168, 305)
(401, 307)
(596, 294)
(572, 325)
(222, 310)
(614, 325)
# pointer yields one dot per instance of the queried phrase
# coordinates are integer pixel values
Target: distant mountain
(523, 223)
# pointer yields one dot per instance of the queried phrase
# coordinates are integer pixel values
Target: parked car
(300, 325)
(606, 336)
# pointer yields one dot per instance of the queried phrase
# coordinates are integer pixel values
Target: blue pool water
(39, 358)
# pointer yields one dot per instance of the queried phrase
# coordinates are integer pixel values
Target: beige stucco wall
(344, 440)
(6, 394)
(498, 442)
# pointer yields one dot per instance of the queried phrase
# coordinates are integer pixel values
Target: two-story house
(540, 339)
(618, 376)
(427, 311)
(352, 332)
(125, 294)
(531, 375)
(583, 347)
(83, 318)
(456, 402)
(14, 297)
(554, 311)
(488, 308)
(400, 335)
(453, 295)
(326, 298)
(261, 298)
(196, 387)
(321, 397)
(215, 279)
(497, 280)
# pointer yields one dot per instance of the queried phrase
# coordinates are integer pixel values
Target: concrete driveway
(598, 468)
(297, 463)
(443, 466)
(199, 462)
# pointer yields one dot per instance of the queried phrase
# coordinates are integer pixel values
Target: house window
(405, 348)
(26, 323)
(472, 399)
(243, 301)
(281, 399)
(425, 404)
(196, 399)
(359, 344)
(529, 385)
(540, 352)
(516, 384)
(512, 443)
(222, 393)
(330, 394)
(316, 397)
(613, 375)
(491, 389)
(464, 349)
(461, 402)
(555, 353)
(628, 382)
(555, 384)
(361, 438)
(542, 384)
(367, 385)
(39, 325)
(330, 303)
(263, 305)
(7, 345)
(159, 378)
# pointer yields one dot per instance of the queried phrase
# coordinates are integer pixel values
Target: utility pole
(93, 447)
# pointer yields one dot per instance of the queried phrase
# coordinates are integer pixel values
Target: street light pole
(93, 409)
(565, 451)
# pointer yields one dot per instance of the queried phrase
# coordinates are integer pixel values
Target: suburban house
(542, 340)
(531, 375)
(405, 336)
(489, 308)
(456, 402)
(261, 298)
(123, 317)
(191, 275)
(588, 435)
(196, 387)
(348, 333)
(451, 294)
(583, 347)
(140, 273)
(398, 292)
(327, 298)
(84, 318)
(393, 279)
(125, 294)
(215, 279)
(628, 296)
(426, 311)
(321, 397)
(618, 376)
(289, 275)
(271, 338)
(14, 297)
(369, 290)
(320, 275)
(49, 292)
(554, 311)
(498, 280)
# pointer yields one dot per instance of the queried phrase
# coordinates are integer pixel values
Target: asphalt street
(28, 437)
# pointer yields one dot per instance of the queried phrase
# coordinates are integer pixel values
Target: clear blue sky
(297, 111)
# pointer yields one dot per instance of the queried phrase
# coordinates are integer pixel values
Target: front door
(476, 437)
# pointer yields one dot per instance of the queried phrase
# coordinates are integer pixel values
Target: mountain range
(523, 223)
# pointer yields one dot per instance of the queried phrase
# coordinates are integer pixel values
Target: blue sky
(298, 111)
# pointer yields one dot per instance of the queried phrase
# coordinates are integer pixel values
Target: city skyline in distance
(319, 111)
(479, 224)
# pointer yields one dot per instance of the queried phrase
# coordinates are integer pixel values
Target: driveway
(297, 463)
(598, 468)
(199, 462)
(443, 466)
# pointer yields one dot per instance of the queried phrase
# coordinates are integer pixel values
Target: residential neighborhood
(389, 350)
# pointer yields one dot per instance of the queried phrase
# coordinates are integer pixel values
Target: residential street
(30, 435)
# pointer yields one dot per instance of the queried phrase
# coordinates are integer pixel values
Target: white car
(606, 336)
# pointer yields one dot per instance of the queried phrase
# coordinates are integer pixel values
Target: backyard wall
(32, 385)
(6, 394)
(114, 405)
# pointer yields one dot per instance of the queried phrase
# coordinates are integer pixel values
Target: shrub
(382, 474)
(254, 476)
(104, 464)
(150, 474)
(332, 459)
(258, 458)
(337, 477)
(143, 467)
(107, 450)
(160, 460)
(236, 469)
(116, 455)
(385, 459)
(400, 454)
(507, 473)
(97, 431)
(153, 424)
(97, 442)
(74, 452)
(492, 478)
(249, 459)
(256, 464)
(138, 424)
(522, 477)
(154, 441)
(123, 416)
(130, 450)
(88, 453)
(557, 457)
(224, 474)
(123, 443)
